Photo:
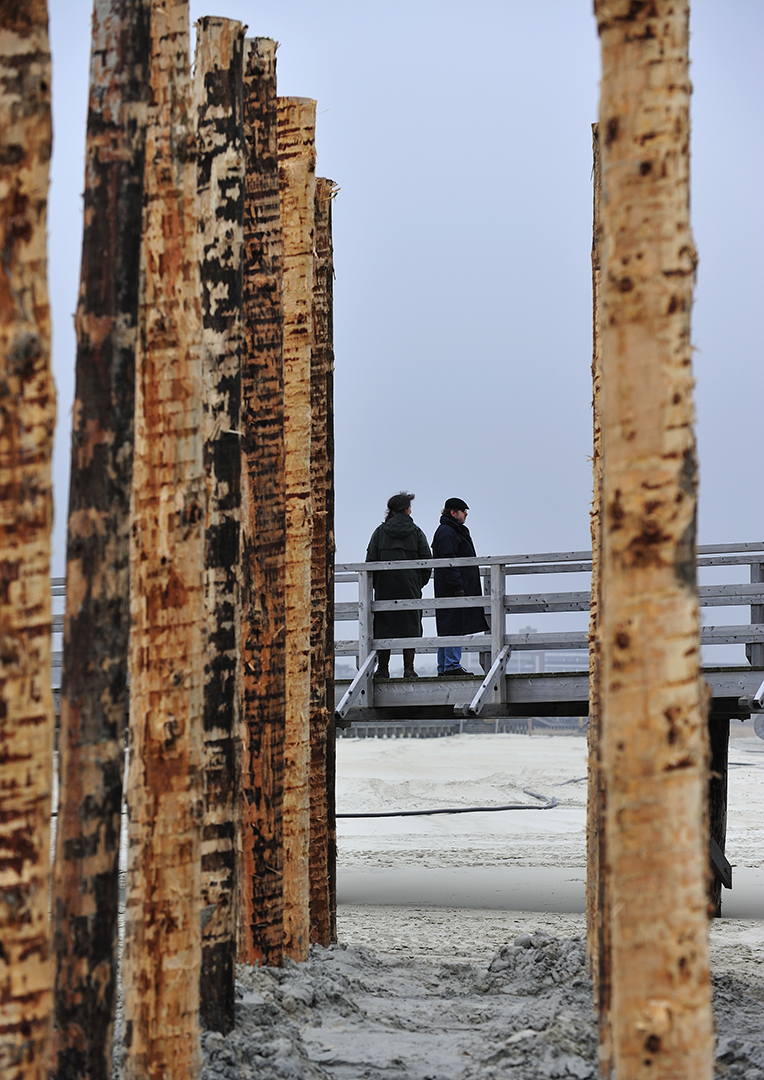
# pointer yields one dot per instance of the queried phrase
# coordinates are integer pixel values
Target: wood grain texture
(654, 739)
(96, 626)
(165, 806)
(220, 191)
(263, 527)
(597, 921)
(297, 187)
(27, 420)
(322, 734)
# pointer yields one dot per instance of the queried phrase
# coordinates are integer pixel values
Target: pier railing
(496, 646)
(502, 598)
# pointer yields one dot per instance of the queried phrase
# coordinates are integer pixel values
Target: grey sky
(459, 133)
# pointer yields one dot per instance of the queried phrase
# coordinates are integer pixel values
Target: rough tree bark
(597, 924)
(654, 735)
(297, 187)
(27, 419)
(93, 692)
(322, 822)
(220, 190)
(162, 931)
(262, 524)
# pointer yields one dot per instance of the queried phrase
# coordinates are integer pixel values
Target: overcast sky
(459, 134)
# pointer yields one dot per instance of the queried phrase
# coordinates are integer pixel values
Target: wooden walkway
(731, 576)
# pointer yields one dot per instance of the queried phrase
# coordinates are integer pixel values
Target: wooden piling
(263, 526)
(97, 621)
(654, 743)
(297, 187)
(597, 919)
(220, 191)
(28, 416)
(162, 922)
(322, 824)
(719, 732)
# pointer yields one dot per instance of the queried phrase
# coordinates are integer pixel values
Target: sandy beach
(461, 948)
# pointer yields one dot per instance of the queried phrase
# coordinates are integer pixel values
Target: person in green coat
(398, 538)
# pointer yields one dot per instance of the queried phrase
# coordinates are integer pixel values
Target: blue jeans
(448, 659)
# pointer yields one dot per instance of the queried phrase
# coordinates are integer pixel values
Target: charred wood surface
(597, 922)
(96, 626)
(162, 923)
(297, 187)
(262, 523)
(322, 825)
(220, 190)
(27, 420)
(719, 732)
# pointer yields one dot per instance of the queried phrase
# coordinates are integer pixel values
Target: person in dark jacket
(398, 538)
(452, 540)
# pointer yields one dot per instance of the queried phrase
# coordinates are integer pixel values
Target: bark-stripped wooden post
(93, 693)
(220, 190)
(322, 575)
(297, 187)
(27, 419)
(654, 740)
(163, 925)
(262, 524)
(596, 927)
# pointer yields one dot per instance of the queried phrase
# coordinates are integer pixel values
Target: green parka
(398, 538)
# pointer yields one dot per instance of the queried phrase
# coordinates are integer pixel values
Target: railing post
(498, 621)
(757, 616)
(365, 627)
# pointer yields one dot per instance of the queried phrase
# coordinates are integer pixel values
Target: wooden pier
(498, 693)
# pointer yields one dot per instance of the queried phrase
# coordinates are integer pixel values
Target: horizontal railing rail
(498, 602)
(497, 644)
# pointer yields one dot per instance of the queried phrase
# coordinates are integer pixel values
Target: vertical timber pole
(261, 895)
(597, 919)
(220, 190)
(365, 626)
(96, 627)
(27, 420)
(719, 732)
(162, 922)
(322, 576)
(498, 622)
(757, 617)
(297, 188)
(654, 739)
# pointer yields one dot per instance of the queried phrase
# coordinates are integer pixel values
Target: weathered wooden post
(27, 420)
(162, 925)
(220, 190)
(262, 523)
(654, 741)
(322, 824)
(93, 691)
(297, 187)
(719, 737)
(597, 920)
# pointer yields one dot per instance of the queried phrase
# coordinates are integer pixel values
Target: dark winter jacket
(398, 538)
(452, 540)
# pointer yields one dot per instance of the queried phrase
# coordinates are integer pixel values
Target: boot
(383, 664)
(408, 664)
